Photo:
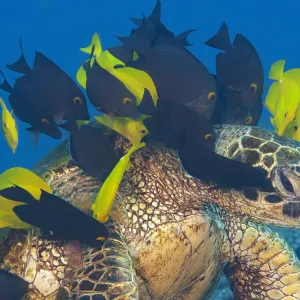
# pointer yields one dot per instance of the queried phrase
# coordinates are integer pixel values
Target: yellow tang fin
(133, 130)
(136, 81)
(105, 198)
(273, 97)
(276, 71)
(81, 77)
(79, 123)
(107, 61)
(26, 180)
(96, 43)
(135, 56)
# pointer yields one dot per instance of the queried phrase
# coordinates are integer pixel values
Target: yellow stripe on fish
(105, 198)
(26, 180)
(9, 127)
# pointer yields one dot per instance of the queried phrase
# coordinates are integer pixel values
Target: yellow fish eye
(77, 100)
(253, 88)
(143, 131)
(127, 101)
(207, 136)
(212, 96)
(248, 120)
(45, 121)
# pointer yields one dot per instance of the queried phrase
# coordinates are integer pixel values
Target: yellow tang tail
(276, 71)
(133, 130)
(26, 180)
(105, 198)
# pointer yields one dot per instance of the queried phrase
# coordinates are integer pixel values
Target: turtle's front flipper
(262, 264)
(107, 273)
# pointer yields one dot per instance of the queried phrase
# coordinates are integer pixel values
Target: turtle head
(280, 157)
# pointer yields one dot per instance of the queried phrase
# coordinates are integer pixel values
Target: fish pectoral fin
(276, 71)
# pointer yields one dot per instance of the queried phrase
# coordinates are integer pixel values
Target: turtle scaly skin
(170, 233)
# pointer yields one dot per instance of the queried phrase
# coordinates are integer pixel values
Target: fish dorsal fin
(221, 39)
(182, 38)
(81, 75)
(5, 86)
(96, 42)
(21, 65)
(276, 71)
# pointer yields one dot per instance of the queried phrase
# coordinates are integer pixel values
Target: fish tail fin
(277, 69)
(182, 38)
(21, 65)
(81, 76)
(96, 43)
(221, 39)
(5, 86)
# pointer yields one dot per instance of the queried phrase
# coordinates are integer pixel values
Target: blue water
(58, 28)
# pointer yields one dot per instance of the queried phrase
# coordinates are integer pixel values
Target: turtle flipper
(107, 272)
(262, 265)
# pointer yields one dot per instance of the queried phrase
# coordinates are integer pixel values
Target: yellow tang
(105, 198)
(136, 81)
(26, 180)
(9, 127)
(293, 129)
(133, 130)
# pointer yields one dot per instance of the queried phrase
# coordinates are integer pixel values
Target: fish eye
(212, 96)
(45, 121)
(127, 101)
(295, 128)
(77, 100)
(248, 120)
(143, 131)
(207, 136)
(253, 88)
(285, 114)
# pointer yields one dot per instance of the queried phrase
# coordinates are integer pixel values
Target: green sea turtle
(170, 234)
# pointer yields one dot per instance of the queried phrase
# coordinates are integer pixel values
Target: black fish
(239, 69)
(12, 287)
(228, 112)
(178, 75)
(182, 129)
(39, 119)
(92, 150)
(54, 214)
(108, 94)
(47, 86)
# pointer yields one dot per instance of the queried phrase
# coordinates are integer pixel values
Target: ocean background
(58, 28)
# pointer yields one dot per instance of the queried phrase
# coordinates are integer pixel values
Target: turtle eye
(127, 101)
(45, 121)
(77, 100)
(253, 88)
(212, 96)
(208, 136)
(248, 120)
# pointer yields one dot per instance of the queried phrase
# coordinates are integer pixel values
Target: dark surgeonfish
(107, 93)
(12, 287)
(51, 213)
(239, 70)
(178, 75)
(182, 129)
(228, 112)
(92, 150)
(47, 86)
(41, 121)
